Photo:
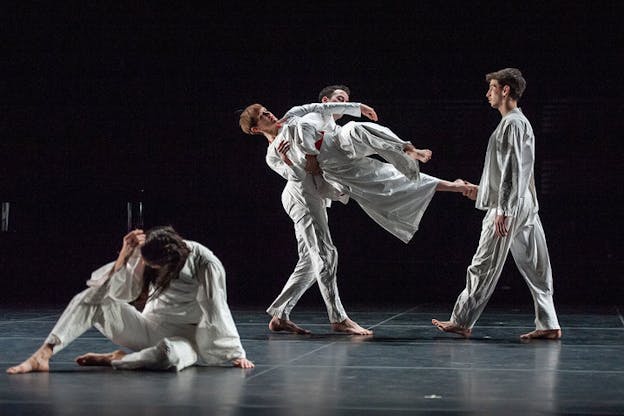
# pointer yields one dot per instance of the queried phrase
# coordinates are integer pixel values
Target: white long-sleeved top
(198, 296)
(303, 193)
(301, 186)
(321, 114)
(318, 118)
(508, 171)
(314, 118)
(355, 140)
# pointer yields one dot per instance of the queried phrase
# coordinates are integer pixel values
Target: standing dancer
(304, 199)
(512, 223)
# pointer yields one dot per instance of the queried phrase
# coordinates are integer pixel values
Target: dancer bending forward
(186, 320)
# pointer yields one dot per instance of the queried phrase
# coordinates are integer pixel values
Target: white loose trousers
(188, 323)
(318, 257)
(159, 345)
(394, 201)
(527, 243)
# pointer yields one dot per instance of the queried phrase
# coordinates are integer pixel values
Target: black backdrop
(105, 104)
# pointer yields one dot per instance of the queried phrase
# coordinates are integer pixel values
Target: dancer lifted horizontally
(186, 320)
(394, 194)
(512, 223)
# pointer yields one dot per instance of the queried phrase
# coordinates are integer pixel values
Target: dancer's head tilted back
(256, 119)
(249, 118)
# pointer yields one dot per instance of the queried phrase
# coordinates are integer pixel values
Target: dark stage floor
(408, 367)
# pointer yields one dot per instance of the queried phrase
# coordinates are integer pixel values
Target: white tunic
(197, 297)
(393, 200)
(508, 169)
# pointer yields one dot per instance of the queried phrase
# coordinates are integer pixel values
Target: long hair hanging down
(163, 247)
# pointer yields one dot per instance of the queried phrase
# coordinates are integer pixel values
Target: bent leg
(364, 139)
(81, 313)
(170, 353)
(302, 277)
(77, 317)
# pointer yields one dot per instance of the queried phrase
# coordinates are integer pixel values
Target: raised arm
(131, 242)
(124, 277)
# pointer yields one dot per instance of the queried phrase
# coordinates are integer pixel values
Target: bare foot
(92, 358)
(448, 326)
(350, 327)
(543, 334)
(242, 363)
(38, 362)
(278, 324)
(423, 155)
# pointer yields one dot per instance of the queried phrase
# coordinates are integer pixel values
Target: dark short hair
(329, 91)
(511, 77)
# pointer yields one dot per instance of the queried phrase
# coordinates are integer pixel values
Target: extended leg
(299, 281)
(364, 139)
(481, 278)
(120, 322)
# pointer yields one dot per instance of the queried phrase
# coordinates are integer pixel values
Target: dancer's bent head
(164, 254)
(511, 77)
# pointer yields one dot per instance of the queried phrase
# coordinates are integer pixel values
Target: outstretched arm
(352, 109)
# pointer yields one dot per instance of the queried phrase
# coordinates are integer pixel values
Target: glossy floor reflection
(407, 367)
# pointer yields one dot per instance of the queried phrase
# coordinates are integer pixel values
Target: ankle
(46, 351)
